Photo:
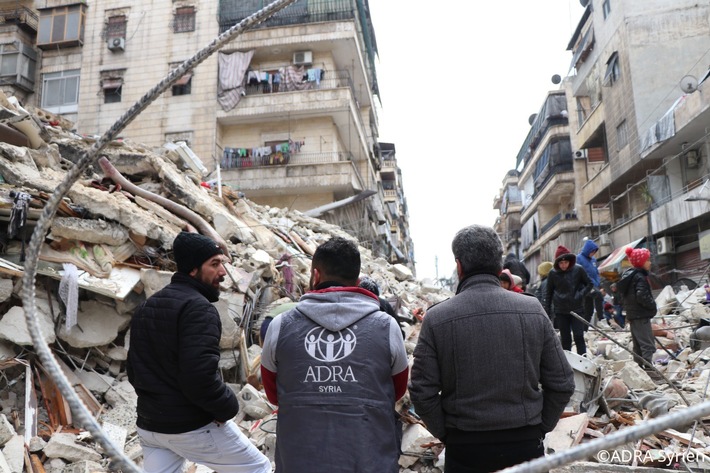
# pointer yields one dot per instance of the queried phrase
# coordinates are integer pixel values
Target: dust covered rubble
(120, 247)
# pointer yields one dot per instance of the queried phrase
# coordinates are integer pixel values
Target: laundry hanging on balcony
(275, 155)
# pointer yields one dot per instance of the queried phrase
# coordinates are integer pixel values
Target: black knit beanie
(193, 249)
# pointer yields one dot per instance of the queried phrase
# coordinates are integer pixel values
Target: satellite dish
(556, 79)
(689, 84)
(531, 118)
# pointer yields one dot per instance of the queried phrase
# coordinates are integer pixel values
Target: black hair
(338, 259)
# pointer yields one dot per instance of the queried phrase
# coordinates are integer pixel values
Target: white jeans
(222, 448)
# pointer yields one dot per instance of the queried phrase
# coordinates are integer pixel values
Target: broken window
(112, 85)
(613, 71)
(61, 26)
(60, 91)
(116, 27)
(184, 20)
(183, 86)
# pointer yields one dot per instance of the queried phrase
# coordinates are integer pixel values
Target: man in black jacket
(184, 407)
(567, 287)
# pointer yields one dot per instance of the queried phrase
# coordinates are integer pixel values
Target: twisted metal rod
(618, 438)
(81, 413)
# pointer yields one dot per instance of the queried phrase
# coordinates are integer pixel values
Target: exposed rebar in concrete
(83, 417)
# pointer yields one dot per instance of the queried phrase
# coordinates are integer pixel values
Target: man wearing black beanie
(185, 410)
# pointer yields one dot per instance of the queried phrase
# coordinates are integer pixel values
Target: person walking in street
(489, 377)
(617, 302)
(639, 303)
(567, 287)
(593, 302)
(185, 410)
(335, 365)
(510, 281)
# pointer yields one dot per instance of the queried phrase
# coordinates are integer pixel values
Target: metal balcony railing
(19, 14)
(230, 161)
(554, 220)
(311, 11)
(329, 80)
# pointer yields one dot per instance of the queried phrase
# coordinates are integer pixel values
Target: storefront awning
(616, 263)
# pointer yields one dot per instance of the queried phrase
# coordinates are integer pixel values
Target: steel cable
(81, 413)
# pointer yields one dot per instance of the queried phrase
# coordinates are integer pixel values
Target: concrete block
(14, 453)
(99, 324)
(4, 467)
(6, 286)
(7, 431)
(64, 446)
(37, 444)
(83, 466)
(120, 393)
(414, 437)
(635, 377)
(252, 403)
(93, 381)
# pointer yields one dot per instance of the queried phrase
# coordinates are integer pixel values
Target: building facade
(637, 128)
(286, 110)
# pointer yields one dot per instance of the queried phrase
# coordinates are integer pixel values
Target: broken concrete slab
(97, 325)
(6, 286)
(89, 231)
(567, 433)
(4, 466)
(122, 392)
(14, 453)
(83, 466)
(64, 446)
(7, 431)
(13, 326)
(413, 438)
(154, 280)
(93, 381)
(636, 378)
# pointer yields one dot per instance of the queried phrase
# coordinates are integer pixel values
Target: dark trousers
(570, 328)
(593, 302)
(485, 458)
(643, 340)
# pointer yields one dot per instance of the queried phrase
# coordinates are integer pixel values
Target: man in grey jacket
(489, 377)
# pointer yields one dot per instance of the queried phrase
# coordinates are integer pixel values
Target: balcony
(22, 16)
(317, 173)
(683, 207)
(285, 159)
(313, 11)
(558, 184)
(556, 226)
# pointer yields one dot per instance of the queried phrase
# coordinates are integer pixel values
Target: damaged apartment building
(285, 113)
(619, 151)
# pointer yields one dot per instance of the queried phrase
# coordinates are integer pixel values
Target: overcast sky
(458, 81)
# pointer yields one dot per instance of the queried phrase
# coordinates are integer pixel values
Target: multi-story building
(285, 110)
(637, 127)
(509, 203)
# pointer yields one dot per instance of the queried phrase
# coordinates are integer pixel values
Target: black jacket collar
(209, 292)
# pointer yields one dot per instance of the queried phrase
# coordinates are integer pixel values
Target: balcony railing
(311, 11)
(329, 80)
(557, 218)
(230, 161)
(21, 15)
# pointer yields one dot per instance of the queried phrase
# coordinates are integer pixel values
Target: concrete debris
(122, 245)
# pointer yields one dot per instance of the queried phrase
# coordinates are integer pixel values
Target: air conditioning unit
(301, 58)
(692, 159)
(116, 44)
(604, 239)
(580, 154)
(664, 245)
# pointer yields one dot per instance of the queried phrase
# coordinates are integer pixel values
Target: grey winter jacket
(638, 298)
(488, 359)
(334, 356)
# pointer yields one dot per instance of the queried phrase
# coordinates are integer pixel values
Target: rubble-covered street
(109, 248)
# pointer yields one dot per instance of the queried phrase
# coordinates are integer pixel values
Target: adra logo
(324, 345)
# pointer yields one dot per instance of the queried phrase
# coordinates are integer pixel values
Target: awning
(111, 83)
(184, 79)
(616, 263)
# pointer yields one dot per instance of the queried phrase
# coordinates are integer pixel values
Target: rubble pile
(108, 248)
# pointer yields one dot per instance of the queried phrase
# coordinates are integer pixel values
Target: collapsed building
(109, 247)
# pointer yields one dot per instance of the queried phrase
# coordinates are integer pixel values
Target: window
(622, 137)
(184, 20)
(606, 8)
(18, 64)
(116, 27)
(112, 85)
(60, 91)
(183, 86)
(613, 70)
(61, 26)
